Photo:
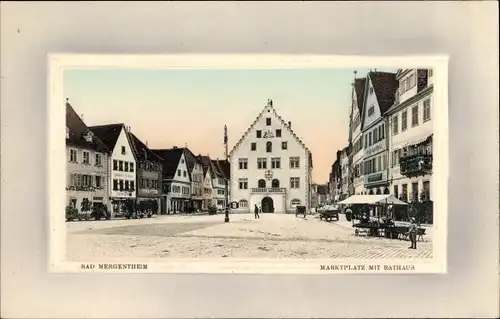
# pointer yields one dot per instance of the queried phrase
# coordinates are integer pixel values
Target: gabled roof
(171, 158)
(191, 159)
(77, 131)
(359, 90)
(108, 133)
(206, 162)
(141, 151)
(385, 86)
(225, 167)
(283, 122)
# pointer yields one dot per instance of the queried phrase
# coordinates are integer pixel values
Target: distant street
(271, 236)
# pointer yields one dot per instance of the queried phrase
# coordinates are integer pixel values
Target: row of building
(109, 164)
(389, 150)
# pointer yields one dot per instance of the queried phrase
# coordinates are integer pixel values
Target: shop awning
(372, 199)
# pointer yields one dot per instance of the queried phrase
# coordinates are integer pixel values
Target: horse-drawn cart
(329, 212)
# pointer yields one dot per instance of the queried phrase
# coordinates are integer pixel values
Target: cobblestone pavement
(271, 236)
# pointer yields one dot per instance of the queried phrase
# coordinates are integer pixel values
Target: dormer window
(371, 90)
(88, 137)
(123, 150)
(268, 121)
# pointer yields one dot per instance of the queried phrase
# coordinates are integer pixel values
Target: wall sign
(268, 175)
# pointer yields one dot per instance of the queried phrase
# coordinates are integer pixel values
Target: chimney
(174, 147)
(81, 116)
(289, 124)
(146, 143)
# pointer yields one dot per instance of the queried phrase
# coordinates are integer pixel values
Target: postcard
(263, 163)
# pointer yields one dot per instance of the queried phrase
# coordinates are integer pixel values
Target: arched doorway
(275, 183)
(379, 192)
(267, 205)
(371, 192)
(261, 183)
(386, 191)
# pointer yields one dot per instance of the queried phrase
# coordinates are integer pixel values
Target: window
(404, 192)
(395, 158)
(371, 90)
(262, 163)
(243, 203)
(426, 189)
(284, 145)
(72, 156)
(375, 135)
(404, 120)
(253, 146)
(120, 166)
(371, 110)
(414, 115)
(259, 133)
(366, 140)
(261, 183)
(132, 185)
(295, 202)
(98, 182)
(243, 183)
(275, 162)
(182, 161)
(115, 165)
(294, 162)
(269, 147)
(294, 182)
(86, 180)
(126, 166)
(86, 157)
(395, 125)
(275, 183)
(427, 110)
(396, 191)
(278, 133)
(243, 163)
(370, 139)
(268, 121)
(430, 72)
(120, 184)
(131, 167)
(123, 150)
(382, 131)
(98, 160)
(178, 172)
(414, 191)
(184, 173)
(115, 185)
(126, 185)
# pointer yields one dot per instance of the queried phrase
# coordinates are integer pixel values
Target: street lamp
(226, 218)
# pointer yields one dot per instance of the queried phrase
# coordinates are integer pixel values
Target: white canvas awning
(372, 199)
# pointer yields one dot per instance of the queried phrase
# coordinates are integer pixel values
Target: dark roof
(108, 133)
(224, 167)
(206, 162)
(141, 151)
(359, 89)
(77, 131)
(322, 189)
(385, 86)
(171, 158)
(191, 159)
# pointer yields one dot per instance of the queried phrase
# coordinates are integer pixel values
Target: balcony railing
(415, 165)
(269, 190)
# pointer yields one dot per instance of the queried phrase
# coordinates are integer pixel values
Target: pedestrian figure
(413, 234)
(256, 212)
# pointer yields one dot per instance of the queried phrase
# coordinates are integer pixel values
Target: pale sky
(190, 107)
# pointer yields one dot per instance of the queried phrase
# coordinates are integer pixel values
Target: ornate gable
(268, 133)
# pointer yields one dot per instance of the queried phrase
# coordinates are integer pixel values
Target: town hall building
(270, 167)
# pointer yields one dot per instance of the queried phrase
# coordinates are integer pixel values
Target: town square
(300, 186)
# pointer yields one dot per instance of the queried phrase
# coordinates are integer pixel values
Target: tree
(85, 207)
(71, 213)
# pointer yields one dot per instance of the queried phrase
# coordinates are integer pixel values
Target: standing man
(413, 234)
(256, 212)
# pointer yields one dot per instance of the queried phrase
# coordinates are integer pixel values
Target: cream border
(56, 151)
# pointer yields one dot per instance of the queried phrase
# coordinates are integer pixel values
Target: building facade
(410, 136)
(149, 171)
(344, 173)
(122, 165)
(356, 137)
(207, 188)
(270, 166)
(176, 182)
(87, 163)
(379, 92)
(195, 169)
